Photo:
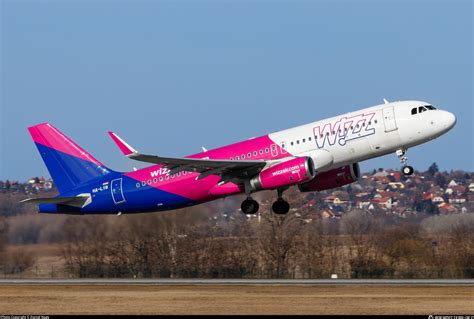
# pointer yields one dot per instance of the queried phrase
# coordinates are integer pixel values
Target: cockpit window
(422, 109)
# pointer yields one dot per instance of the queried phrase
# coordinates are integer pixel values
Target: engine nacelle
(291, 172)
(331, 179)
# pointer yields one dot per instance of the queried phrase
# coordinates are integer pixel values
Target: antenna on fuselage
(204, 149)
(385, 101)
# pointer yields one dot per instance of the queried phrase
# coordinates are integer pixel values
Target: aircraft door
(117, 192)
(389, 119)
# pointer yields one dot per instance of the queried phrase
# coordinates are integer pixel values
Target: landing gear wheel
(281, 207)
(407, 170)
(249, 206)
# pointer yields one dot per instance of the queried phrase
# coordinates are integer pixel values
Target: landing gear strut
(281, 206)
(406, 169)
(249, 206)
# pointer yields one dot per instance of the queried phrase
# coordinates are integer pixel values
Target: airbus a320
(314, 157)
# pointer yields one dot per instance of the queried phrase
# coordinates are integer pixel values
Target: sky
(172, 76)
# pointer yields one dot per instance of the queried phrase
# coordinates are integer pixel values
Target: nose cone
(448, 120)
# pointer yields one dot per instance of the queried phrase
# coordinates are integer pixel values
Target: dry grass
(127, 299)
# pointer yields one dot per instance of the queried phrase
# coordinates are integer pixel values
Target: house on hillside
(446, 209)
(452, 183)
(471, 187)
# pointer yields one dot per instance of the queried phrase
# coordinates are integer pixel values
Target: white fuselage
(365, 134)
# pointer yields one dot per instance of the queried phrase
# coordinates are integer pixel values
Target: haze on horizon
(170, 77)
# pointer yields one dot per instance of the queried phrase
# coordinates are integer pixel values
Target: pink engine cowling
(331, 179)
(291, 172)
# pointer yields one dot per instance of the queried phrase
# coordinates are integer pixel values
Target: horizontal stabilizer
(77, 201)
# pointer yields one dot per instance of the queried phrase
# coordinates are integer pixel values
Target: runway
(242, 282)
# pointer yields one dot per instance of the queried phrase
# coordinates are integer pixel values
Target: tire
(249, 207)
(281, 207)
(407, 170)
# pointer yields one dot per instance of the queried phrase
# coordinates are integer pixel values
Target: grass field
(132, 299)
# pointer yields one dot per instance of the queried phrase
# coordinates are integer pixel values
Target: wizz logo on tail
(345, 129)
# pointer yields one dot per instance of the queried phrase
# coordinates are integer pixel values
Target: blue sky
(172, 76)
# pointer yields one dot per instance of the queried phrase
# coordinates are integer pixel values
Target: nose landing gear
(407, 170)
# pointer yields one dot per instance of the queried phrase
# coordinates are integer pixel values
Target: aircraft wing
(227, 169)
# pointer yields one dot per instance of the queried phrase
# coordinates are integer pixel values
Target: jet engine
(331, 179)
(294, 171)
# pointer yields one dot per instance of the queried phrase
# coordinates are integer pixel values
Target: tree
(278, 242)
(440, 180)
(433, 169)
(3, 236)
(363, 231)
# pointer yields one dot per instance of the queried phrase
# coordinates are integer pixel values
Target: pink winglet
(124, 147)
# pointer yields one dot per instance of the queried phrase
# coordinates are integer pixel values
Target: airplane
(313, 157)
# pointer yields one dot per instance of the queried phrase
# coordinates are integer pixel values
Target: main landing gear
(250, 206)
(281, 206)
(407, 170)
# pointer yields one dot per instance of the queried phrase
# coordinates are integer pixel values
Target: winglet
(126, 149)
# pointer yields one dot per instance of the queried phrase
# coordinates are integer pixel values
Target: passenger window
(413, 111)
(249, 155)
(149, 182)
(297, 141)
(161, 178)
(155, 180)
(243, 156)
(255, 153)
(138, 185)
(309, 139)
(267, 150)
(261, 151)
(304, 140)
(143, 183)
